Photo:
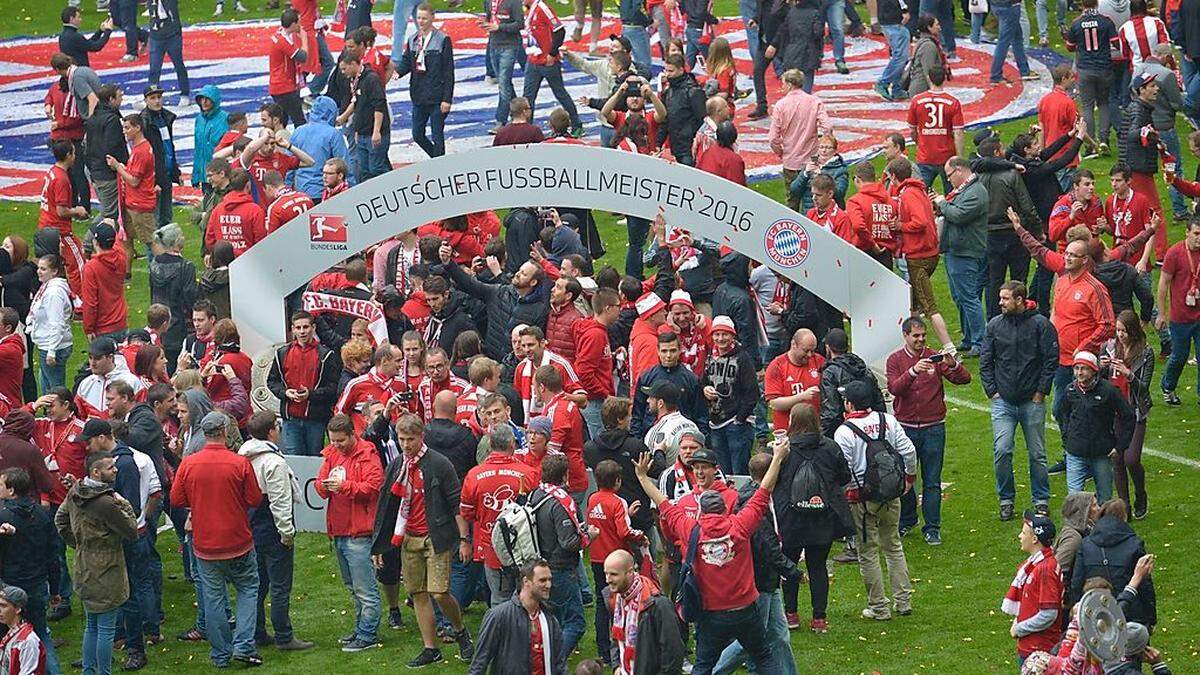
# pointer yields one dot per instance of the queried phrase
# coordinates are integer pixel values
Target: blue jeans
(152, 575)
(275, 566)
(534, 74)
(930, 443)
(748, 9)
(732, 444)
(897, 36)
(770, 607)
(317, 85)
(931, 171)
(1043, 16)
(717, 630)
(358, 574)
(172, 47)
(35, 614)
(1032, 418)
(637, 229)
(303, 437)
(567, 603)
(1191, 86)
(403, 14)
(944, 11)
(692, 46)
(1183, 337)
(591, 417)
(1062, 379)
(215, 575)
(977, 27)
(966, 275)
(835, 18)
(639, 41)
(130, 627)
(465, 579)
(429, 116)
(98, 634)
(1170, 138)
(125, 15)
(1009, 37)
(56, 375)
(504, 60)
(371, 160)
(1100, 469)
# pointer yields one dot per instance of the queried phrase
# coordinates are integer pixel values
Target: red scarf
(1012, 599)
(403, 489)
(627, 607)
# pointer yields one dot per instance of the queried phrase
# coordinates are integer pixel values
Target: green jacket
(964, 229)
(94, 521)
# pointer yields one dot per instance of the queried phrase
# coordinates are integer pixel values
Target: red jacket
(559, 330)
(643, 348)
(1061, 219)
(12, 371)
(219, 486)
(593, 359)
(541, 24)
(609, 513)
(836, 221)
(566, 436)
(104, 308)
(872, 213)
(237, 220)
(918, 231)
(919, 399)
(351, 510)
(723, 162)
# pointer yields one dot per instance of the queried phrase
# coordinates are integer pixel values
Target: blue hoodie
(210, 127)
(320, 139)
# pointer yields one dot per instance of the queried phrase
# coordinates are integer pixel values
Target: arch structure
(575, 176)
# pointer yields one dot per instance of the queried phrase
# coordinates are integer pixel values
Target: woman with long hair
(49, 322)
(927, 53)
(1129, 363)
(18, 279)
(466, 346)
(150, 365)
(722, 69)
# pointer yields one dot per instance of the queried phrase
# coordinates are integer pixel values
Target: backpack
(808, 489)
(885, 478)
(515, 533)
(687, 598)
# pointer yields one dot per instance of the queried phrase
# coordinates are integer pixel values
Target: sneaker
(134, 662)
(758, 114)
(818, 626)
(1044, 43)
(972, 353)
(489, 80)
(1029, 77)
(793, 620)
(357, 645)
(1140, 508)
(933, 538)
(220, 9)
(395, 622)
(347, 639)
(904, 531)
(238, 6)
(263, 640)
(1059, 467)
(1042, 509)
(841, 67)
(883, 92)
(252, 659)
(876, 615)
(1103, 149)
(466, 650)
(578, 132)
(427, 656)
(128, 58)
(1171, 398)
(687, 667)
(294, 645)
(1006, 512)
(847, 557)
(904, 611)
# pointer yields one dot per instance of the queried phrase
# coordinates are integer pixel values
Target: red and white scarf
(568, 503)
(627, 607)
(1012, 599)
(403, 488)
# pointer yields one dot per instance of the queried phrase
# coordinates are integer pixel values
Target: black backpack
(687, 594)
(807, 494)
(885, 478)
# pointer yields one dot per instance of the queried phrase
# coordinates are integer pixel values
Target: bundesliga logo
(787, 243)
(326, 229)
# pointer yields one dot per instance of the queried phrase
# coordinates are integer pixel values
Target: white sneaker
(489, 80)
(220, 9)
(238, 6)
(129, 58)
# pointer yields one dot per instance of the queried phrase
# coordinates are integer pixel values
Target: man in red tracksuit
(872, 213)
(237, 219)
(918, 241)
(594, 357)
(57, 210)
(104, 309)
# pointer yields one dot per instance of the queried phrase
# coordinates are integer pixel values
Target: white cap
(724, 323)
(681, 296)
(648, 304)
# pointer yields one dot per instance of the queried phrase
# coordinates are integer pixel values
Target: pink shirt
(796, 121)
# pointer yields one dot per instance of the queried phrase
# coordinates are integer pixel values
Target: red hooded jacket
(237, 220)
(593, 359)
(351, 510)
(872, 213)
(12, 371)
(104, 308)
(918, 231)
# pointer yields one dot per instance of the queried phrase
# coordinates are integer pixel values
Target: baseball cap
(711, 501)
(138, 335)
(213, 421)
(15, 596)
(695, 434)
(1042, 526)
(102, 346)
(681, 297)
(540, 424)
(623, 40)
(1140, 81)
(1086, 358)
(723, 323)
(858, 394)
(152, 90)
(105, 235)
(665, 391)
(648, 304)
(704, 455)
(95, 427)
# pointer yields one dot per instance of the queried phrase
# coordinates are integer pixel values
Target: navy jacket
(27, 557)
(692, 405)
(1092, 55)
(77, 45)
(434, 83)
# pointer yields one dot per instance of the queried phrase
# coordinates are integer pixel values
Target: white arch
(571, 176)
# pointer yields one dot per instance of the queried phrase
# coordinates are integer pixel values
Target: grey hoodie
(1075, 526)
(276, 480)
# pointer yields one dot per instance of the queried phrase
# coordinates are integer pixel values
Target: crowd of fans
(510, 364)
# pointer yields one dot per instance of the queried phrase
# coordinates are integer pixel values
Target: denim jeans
(717, 630)
(732, 443)
(317, 85)
(770, 607)
(125, 16)
(98, 633)
(1043, 16)
(567, 603)
(215, 575)
(1170, 138)
(303, 437)
(275, 565)
(977, 27)
(504, 60)
(130, 627)
(897, 37)
(1190, 73)
(56, 375)
(430, 116)
(592, 418)
(930, 443)
(1032, 418)
(1100, 469)
(371, 160)
(966, 275)
(1183, 337)
(835, 18)
(944, 11)
(534, 74)
(931, 171)
(747, 9)
(1010, 36)
(692, 46)
(172, 47)
(152, 579)
(637, 229)
(603, 619)
(639, 41)
(35, 614)
(403, 14)
(358, 574)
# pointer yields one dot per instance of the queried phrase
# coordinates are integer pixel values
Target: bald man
(794, 377)
(640, 610)
(446, 436)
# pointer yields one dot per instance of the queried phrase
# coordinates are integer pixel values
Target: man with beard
(380, 384)
(634, 92)
(524, 301)
(522, 631)
(684, 102)
(645, 632)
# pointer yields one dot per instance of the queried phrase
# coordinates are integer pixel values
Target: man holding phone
(304, 377)
(914, 377)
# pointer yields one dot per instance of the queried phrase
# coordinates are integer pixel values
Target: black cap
(391, 297)
(1042, 526)
(95, 427)
(858, 394)
(665, 391)
(153, 89)
(102, 346)
(105, 235)
(138, 335)
(623, 40)
(704, 455)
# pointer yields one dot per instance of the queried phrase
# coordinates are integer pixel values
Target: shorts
(919, 272)
(389, 573)
(425, 571)
(140, 225)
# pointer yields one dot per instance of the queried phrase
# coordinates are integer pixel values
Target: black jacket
(558, 536)
(17, 284)
(27, 557)
(693, 405)
(623, 448)
(323, 393)
(697, 13)
(173, 283)
(454, 442)
(838, 371)
(333, 330)
(799, 39)
(1142, 367)
(371, 99)
(506, 308)
(166, 166)
(434, 84)
(1140, 154)
(1040, 172)
(733, 376)
(502, 647)
(442, 493)
(684, 100)
(769, 561)
(77, 45)
(660, 648)
(1185, 28)
(1006, 189)
(806, 310)
(732, 299)
(1019, 356)
(1123, 283)
(891, 12)
(801, 528)
(1096, 421)
(102, 137)
(522, 227)
(145, 433)
(1111, 550)
(165, 24)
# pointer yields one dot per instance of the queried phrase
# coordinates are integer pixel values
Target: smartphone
(937, 358)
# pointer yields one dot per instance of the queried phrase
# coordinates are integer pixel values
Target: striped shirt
(1139, 36)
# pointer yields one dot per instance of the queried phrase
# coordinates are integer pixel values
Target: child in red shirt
(1034, 599)
(609, 529)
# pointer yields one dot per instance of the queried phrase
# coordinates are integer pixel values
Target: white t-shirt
(148, 483)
